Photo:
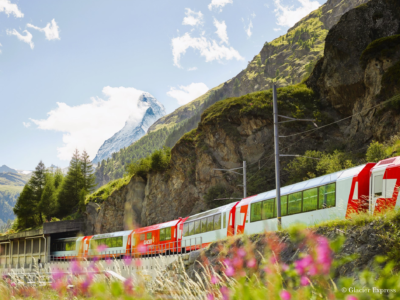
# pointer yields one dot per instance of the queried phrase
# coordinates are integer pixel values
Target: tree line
(51, 194)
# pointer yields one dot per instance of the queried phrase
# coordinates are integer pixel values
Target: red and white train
(372, 187)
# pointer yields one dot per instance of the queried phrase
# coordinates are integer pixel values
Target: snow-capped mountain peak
(135, 127)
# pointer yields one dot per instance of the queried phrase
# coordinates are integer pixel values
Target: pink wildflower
(108, 260)
(285, 267)
(13, 284)
(230, 271)
(142, 248)
(210, 297)
(225, 293)
(241, 252)
(128, 286)
(285, 295)
(303, 264)
(304, 281)
(252, 263)
(75, 268)
(127, 260)
(214, 280)
(351, 297)
(101, 248)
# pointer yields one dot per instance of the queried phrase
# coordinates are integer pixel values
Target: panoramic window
(327, 196)
(268, 209)
(148, 237)
(210, 223)
(203, 225)
(255, 212)
(217, 222)
(186, 229)
(294, 202)
(310, 199)
(142, 236)
(197, 228)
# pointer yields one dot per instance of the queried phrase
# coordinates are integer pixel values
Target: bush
(376, 152)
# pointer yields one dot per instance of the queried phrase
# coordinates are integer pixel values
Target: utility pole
(277, 155)
(277, 167)
(244, 178)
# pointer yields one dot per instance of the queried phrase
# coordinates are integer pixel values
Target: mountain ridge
(133, 128)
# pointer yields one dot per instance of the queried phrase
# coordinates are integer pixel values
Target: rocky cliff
(361, 65)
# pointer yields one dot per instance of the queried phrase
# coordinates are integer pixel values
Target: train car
(385, 182)
(65, 248)
(157, 239)
(116, 244)
(204, 228)
(332, 196)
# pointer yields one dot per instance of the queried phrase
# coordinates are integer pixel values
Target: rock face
(121, 211)
(353, 87)
(134, 128)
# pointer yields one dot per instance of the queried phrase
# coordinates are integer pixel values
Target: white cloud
(192, 69)
(51, 30)
(277, 29)
(185, 94)
(26, 124)
(208, 48)
(248, 28)
(87, 126)
(25, 38)
(192, 18)
(288, 15)
(9, 8)
(221, 31)
(218, 4)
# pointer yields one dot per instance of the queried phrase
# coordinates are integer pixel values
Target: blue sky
(63, 60)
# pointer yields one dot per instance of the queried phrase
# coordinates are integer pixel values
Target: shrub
(376, 152)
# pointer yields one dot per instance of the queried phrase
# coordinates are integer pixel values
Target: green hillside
(285, 61)
(8, 198)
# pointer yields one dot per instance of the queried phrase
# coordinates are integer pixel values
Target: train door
(377, 191)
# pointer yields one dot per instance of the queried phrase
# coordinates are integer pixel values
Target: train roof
(388, 162)
(112, 234)
(158, 226)
(305, 185)
(211, 212)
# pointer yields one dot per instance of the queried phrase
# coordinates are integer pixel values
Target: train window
(148, 236)
(327, 195)
(203, 225)
(210, 223)
(378, 185)
(197, 227)
(294, 202)
(268, 209)
(225, 219)
(70, 246)
(120, 241)
(162, 234)
(217, 222)
(310, 199)
(186, 229)
(283, 206)
(142, 237)
(168, 233)
(191, 228)
(255, 212)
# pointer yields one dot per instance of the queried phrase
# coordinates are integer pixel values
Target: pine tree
(47, 203)
(89, 178)
(37, 183)
(68, 197)
(23, 208)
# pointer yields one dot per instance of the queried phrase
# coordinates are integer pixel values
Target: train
(371, 187)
